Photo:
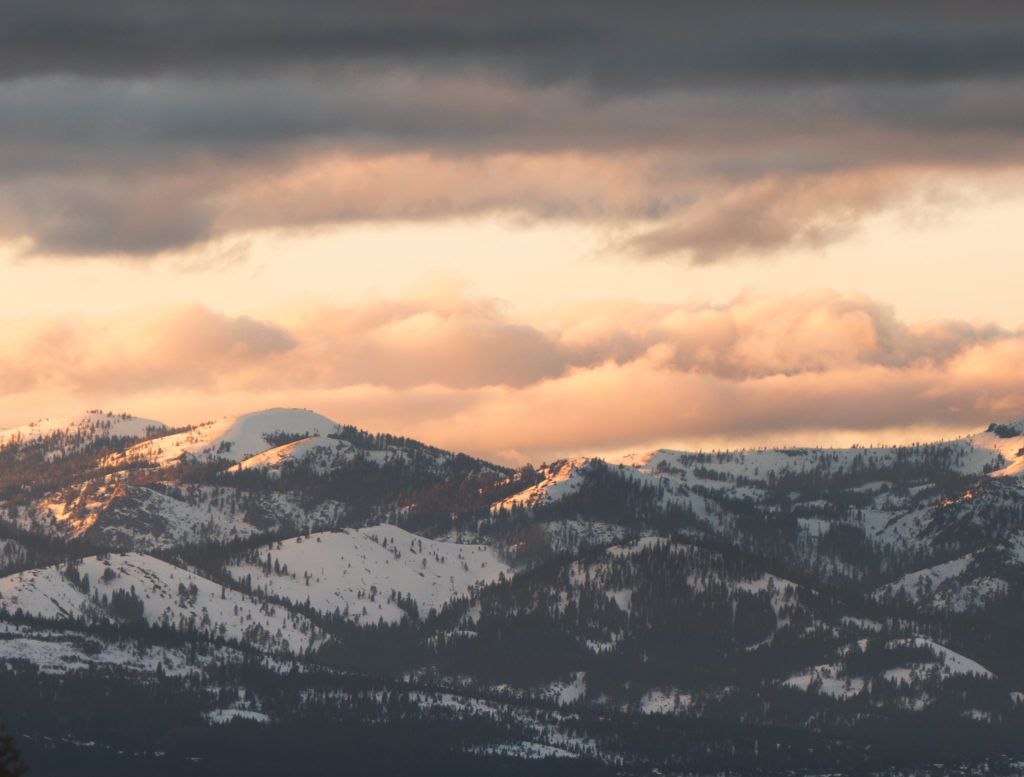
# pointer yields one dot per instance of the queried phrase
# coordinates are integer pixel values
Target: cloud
(462, 372)
(186, 347)
(698, 130)
(597, 40)
(662, 203)
(769, 215)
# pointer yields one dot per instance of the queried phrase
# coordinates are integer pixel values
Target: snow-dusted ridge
(70, 434)
(232, 439)
(995, 452)
(120, 516)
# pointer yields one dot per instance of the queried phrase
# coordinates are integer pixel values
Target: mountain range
(276, 588)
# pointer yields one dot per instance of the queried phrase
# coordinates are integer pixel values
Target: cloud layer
(649, 42)
(462, 373)
(692, 129)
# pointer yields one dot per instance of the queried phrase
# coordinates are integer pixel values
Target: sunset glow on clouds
(751, 128)
(460, 372)
(684, 154)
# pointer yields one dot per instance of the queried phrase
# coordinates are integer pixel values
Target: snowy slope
(925, 584)
(59, 651)
(959, 585)
(91, 425)
(321, 455)
(1005, 441)
(321, 452)
(970, 455)
(1008, 445)
(212, 609)
(1013, 470)
(567, 476)
(558, 480)
(682, 567)
(952, 663)
(232, 439)
(835, 680)
(70, 434)
(676, 471)
(971, 546)
(163, 515)
(356, 570)
(974, 454)
(778, 590)
(890, 510)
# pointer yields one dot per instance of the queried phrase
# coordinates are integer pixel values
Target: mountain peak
(236, 438)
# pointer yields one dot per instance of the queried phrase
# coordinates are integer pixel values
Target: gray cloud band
(738, 128)
(637, 44)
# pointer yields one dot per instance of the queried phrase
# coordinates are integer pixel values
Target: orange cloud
(465, 374)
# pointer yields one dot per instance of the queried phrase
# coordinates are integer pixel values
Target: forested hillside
(171, 596)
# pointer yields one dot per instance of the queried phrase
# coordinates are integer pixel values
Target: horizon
(909, 438)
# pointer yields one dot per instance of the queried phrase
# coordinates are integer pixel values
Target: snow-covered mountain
(133, 497)
(748, 472)
(233, 439)
(280, 567)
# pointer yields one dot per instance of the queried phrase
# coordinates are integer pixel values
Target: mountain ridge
(297, 569)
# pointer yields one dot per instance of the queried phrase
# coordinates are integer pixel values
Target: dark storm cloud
(634, 44)
(730, 128)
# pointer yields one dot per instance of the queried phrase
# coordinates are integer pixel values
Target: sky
(522, 230)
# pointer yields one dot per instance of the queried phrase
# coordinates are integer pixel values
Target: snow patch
(357, 570)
